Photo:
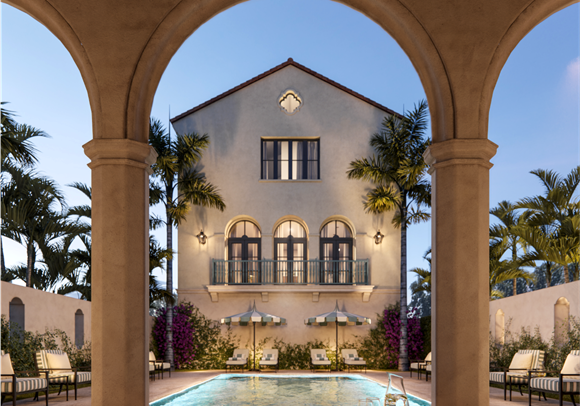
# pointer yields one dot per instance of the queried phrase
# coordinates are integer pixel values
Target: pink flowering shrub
(392, 325)
(184, 348)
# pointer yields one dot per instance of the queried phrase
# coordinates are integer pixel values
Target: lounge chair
(351, 359)
(318, 358)
(239, 359)
(420, 365)
(60, 372)
(159, 365)
(567, 382)
(14, 385)
(270, 359)
(517, 373)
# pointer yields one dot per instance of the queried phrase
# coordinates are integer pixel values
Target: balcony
(283, 272)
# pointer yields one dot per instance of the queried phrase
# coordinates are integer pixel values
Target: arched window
(290, 252)
(16, 314)
(244, 252)
(561, 319)
(79, 328)
(336, 244)
(500, 326)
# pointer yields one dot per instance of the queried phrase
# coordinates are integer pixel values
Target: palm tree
(16, 150)
(510, 219)
(553, 213)
(30, 214)
(423, 283)
(180, 185)
(398, 173)
(501, 270)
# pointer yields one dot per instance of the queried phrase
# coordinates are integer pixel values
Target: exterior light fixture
(202, 237)
(378, 237)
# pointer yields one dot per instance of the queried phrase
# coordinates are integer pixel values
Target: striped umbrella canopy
(339, 318)
(253, 316)
(342, 318)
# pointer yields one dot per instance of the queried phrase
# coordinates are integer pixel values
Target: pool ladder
(391, 399)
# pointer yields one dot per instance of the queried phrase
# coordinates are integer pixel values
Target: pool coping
(168, 398)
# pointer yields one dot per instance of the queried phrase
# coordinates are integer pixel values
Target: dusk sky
(534, 115)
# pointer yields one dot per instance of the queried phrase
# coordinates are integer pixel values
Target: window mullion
(290, 175)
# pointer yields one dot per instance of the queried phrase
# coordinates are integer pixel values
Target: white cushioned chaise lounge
(318, 358)
(351, 359)
(239, 359)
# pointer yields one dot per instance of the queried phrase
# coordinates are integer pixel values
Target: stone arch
(292, 218)
(237, 219)
(500, 326)
(17, 312)
(344, 219)
(561, 319)
(79, 328)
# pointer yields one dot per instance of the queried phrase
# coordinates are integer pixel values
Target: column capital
(473, 151)
(115, 151)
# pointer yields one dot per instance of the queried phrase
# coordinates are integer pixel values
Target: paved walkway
(183, 380)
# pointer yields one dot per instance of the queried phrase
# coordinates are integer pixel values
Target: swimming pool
(246, 390)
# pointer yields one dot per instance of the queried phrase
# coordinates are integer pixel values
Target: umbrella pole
(254, 323)
(336, 346)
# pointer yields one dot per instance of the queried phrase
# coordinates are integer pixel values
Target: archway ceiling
(457, 47)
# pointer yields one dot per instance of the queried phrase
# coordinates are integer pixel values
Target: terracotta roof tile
(289, 62)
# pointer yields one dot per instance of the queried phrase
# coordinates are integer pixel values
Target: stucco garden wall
(534, 309)
(47, 310)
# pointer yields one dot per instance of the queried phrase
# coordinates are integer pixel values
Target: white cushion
(428, 357)
(521, 362)
(571, 366)
(151, 356)
(7, 364)
(57, 361)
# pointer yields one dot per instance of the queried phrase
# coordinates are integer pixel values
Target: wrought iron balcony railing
(282, 272)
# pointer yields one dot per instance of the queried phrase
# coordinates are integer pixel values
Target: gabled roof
(289, 62)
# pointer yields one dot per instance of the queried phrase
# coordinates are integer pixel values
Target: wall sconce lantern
(378, 237)
(202, 237)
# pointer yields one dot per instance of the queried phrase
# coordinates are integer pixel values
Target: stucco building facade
(294, 236)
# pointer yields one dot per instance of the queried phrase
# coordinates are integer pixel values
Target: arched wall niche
(561, 319)
(79, 328)
(17, 312)
(500, 326)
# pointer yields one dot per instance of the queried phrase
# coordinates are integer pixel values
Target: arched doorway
(244, 252)
(336, 250)
(79, 328)
(290, 252)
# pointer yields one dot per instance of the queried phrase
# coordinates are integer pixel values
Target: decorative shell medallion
(290, 102)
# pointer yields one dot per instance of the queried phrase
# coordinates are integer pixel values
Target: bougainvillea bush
(392, 324)
(198, 342)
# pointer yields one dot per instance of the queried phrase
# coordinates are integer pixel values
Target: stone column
(120, 270)
(460, 270)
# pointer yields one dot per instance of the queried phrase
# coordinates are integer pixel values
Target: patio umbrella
(253, 316)
(338, 318)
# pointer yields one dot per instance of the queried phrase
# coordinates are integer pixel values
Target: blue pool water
(292, 390)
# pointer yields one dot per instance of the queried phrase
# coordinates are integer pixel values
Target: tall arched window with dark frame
(336, 251)
(244, 253)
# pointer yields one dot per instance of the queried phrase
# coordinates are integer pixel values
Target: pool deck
(183, 380)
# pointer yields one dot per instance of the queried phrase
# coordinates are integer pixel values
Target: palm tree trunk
(566, 274)
(403, 356)
(31, 254)
(514, 258)
(169, 315)
(548, 274)
(2, 264)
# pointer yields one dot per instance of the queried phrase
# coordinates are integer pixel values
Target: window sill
(289, 180)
